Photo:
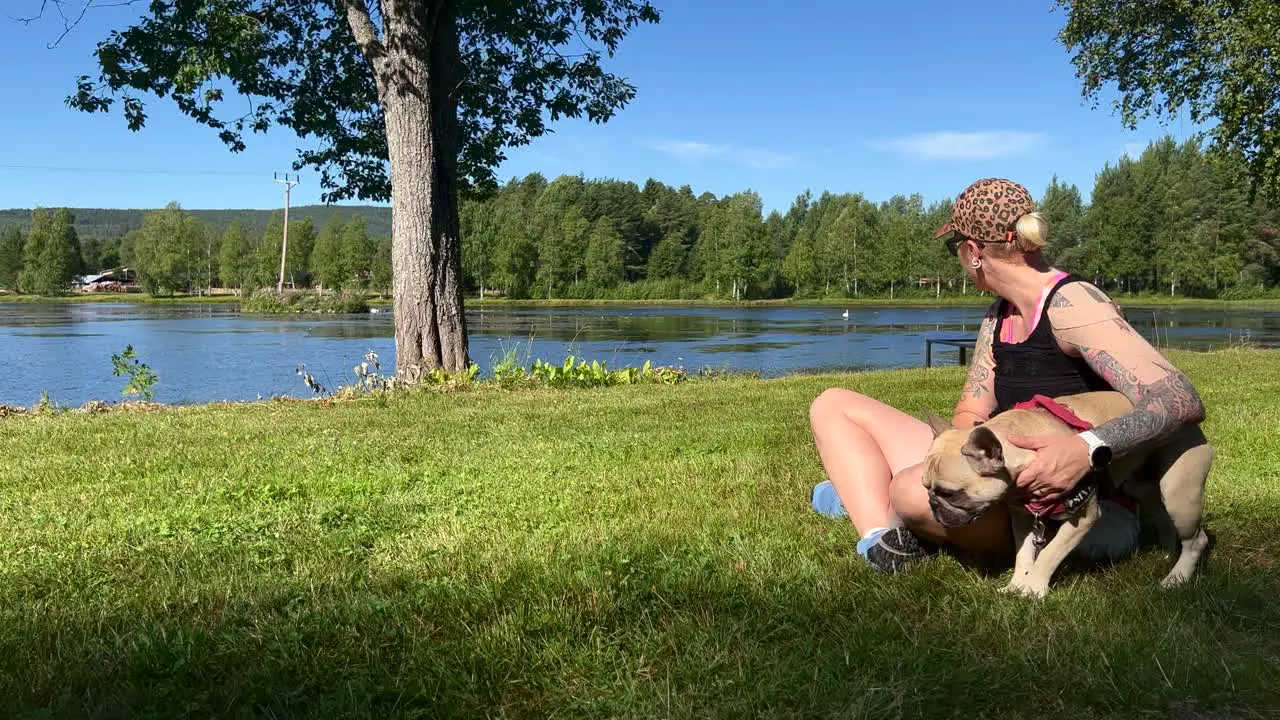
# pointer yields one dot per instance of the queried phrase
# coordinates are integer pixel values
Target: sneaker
(826, 501)
(892, 549)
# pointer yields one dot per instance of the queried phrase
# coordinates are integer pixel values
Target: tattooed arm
(979, 399)
(1087, 322)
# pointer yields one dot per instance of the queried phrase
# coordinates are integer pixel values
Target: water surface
(204, 353)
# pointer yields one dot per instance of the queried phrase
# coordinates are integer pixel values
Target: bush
(1240, 292)
(268, 301)
(576, 372)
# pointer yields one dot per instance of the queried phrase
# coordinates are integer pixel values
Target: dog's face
(964, 472)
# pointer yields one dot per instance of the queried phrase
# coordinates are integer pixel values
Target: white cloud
(694, 151)
(689, 150)
(988, 145)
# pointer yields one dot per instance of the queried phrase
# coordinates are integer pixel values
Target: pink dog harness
(1065, 504)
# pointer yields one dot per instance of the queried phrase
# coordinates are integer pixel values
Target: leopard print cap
(988, 209)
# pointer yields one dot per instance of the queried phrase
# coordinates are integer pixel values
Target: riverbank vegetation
(612, 552)
(1172, 222)
(269, 302)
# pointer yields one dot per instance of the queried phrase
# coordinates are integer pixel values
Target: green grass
(269, 302)
(623, 552)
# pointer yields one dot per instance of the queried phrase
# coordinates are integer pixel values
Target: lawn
(623, 552)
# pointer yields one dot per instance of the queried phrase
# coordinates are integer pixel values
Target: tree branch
(69, 23)
(44, 4)
(362, 27)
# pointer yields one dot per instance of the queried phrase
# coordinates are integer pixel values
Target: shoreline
(349, 393)
(378, 301)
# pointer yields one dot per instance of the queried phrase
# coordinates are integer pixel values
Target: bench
(962, 344)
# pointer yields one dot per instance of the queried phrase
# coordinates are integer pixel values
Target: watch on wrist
(1099, 452)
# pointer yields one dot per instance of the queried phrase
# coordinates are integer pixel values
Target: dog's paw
(1022, 588)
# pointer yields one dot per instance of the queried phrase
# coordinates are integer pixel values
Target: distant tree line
(173, 251)
(1174, 221)
(117, 222)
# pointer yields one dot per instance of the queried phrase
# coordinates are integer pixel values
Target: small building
(114, 280)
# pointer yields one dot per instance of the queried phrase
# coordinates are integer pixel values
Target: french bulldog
(968, 471)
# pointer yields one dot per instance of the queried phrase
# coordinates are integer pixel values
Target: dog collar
(1066, 506)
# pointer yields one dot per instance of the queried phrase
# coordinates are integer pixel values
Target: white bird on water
(845, 315)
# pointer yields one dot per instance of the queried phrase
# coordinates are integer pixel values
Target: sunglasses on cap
(954, 242)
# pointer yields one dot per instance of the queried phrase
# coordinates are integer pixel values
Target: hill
(110, 223)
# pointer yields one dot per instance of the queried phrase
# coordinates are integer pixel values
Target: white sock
(873, 531)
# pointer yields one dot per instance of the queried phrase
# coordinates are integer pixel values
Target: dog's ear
(984, 451)
(937, 424)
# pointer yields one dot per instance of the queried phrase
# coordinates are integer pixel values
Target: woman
(1049, 333)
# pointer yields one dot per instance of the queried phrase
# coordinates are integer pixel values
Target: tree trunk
(417, 81)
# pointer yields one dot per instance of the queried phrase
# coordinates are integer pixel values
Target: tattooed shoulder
(1093, 292)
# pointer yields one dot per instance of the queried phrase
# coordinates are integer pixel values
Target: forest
(1175, 221)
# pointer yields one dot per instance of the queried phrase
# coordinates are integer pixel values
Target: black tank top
(1037, 366)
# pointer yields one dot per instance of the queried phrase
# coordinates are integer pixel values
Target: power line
(123, 171)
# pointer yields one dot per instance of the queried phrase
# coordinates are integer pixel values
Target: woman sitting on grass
(1049, 333)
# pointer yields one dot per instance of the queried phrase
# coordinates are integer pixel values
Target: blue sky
(771, 95)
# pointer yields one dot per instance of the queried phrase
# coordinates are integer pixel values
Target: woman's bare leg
(863, 443)
(873, 454)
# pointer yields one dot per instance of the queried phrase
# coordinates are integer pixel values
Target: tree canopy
(242, 66)
(51, 253)
(1218, 58)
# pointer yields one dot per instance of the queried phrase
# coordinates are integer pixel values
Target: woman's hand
(1060, 462)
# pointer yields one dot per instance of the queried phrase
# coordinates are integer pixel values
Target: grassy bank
(622, 552)
(269, 302)
(140, 298)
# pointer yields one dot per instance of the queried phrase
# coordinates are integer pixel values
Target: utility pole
(284, 244)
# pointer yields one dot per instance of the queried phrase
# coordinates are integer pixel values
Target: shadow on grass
(645, 631)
